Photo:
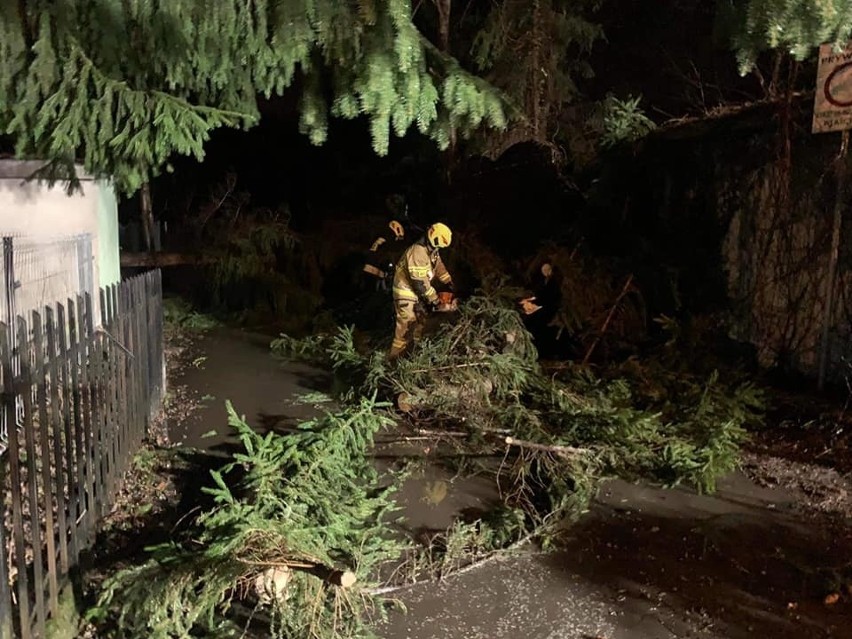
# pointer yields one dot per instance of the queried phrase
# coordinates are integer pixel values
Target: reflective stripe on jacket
(381, 256)
(416, 269)
(372, 270)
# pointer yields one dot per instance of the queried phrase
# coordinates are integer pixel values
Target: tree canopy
(121, 85)
(797, 26)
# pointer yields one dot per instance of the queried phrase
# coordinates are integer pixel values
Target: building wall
(47, 218)
(108, 257)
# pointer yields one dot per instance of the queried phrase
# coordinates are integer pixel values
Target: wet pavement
(647, 563)
(237, 366)
(644, 563)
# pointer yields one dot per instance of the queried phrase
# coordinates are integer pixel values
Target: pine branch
(547, 448)
(183, 74)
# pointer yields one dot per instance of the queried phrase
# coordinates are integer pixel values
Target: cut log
(281, 570)
(271, 584)
(341, 578)
(403, 402)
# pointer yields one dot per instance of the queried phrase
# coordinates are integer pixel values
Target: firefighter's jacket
(418, 266)
(381, 256)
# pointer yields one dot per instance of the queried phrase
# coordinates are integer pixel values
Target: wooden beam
(161, 259)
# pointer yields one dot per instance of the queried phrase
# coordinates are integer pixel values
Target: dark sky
(669, 52)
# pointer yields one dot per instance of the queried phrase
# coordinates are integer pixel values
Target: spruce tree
(121, 85)
(536, 51)
(797, 26)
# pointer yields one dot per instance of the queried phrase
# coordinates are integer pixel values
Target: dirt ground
(769, 555)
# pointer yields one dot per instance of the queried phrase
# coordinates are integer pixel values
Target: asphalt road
(645, 563)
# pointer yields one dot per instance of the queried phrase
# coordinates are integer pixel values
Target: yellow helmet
(397, 228)
(439, 235)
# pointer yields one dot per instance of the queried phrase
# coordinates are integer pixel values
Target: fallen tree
(303, 522)
(553, 435)
(299, 528)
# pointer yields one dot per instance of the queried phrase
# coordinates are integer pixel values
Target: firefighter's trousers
(409, 326)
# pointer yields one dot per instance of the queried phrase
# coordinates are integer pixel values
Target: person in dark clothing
(373, 299)
(541, 308)
(381, 258)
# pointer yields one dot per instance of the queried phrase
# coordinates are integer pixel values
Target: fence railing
(88, 392)
(39, 271)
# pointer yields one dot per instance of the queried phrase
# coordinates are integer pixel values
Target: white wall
(38, 212)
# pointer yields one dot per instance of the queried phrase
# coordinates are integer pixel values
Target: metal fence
(35, 272)
(88, 394)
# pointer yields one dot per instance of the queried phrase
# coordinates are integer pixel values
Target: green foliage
(624, 121)
(311, 497)
(797, 26)
(253, 260)
(121, 86)
(466, 542)
(179, 314)
(480, 374)
(249, 251)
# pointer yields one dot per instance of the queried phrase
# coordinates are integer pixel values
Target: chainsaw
(447, 303)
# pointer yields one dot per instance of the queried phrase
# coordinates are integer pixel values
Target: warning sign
(833, 100)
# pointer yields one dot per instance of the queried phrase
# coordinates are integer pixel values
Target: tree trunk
(568, 451)
(26, 26)
(537, 88)
(444, 8)
(146, 210)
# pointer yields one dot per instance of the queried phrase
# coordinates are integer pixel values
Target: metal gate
(38, 272)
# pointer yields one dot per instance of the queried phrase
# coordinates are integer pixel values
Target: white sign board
(833, 100)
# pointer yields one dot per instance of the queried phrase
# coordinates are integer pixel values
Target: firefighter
(381, 257)
(412, 285)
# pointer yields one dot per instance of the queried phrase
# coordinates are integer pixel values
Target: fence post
(121, 374)
(47, 488)
(85, 424)
(74, 477)
(9, 286)
(9, 315)
(25, 391)
(136, 374)
(10, 392)
(92, 363)
(159, 335)
(146, 349)
(139, 301)
(55, 421)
